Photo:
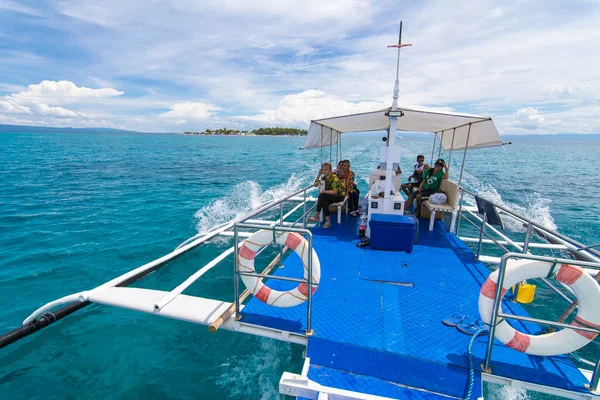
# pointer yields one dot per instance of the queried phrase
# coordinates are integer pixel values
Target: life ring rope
(584, 286)
(250, 248)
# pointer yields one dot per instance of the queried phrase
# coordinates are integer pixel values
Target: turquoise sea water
(77, 210)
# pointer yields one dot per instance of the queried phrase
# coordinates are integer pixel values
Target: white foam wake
(255, 375)
(533, 207)
(501, 392)
(243, 198)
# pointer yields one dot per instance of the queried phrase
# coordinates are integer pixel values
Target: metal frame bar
(594, 256)
(75, 302)
(451, 147)
(433, 150)
(440, 149)
(462, 168)
(498, 300)
(309, 282)
(321, 147)
(330, 144)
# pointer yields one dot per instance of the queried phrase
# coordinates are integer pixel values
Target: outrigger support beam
(49, 318)
(43, 321)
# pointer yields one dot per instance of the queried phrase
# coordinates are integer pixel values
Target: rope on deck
(482, 331)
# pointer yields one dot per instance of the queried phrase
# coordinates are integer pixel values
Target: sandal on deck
(312, 219)
(327, 225)
(363, 243)
(471, 328)
(455, 319)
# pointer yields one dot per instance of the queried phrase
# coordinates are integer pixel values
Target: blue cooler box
(392, 232)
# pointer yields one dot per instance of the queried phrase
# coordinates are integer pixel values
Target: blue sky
(177, 65)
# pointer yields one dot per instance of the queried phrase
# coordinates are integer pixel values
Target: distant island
(41, 129)
(276, 131)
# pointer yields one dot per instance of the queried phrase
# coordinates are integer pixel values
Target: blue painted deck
(388, 338)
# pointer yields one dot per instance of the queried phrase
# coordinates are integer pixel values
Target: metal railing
(584, 251)
(308, 281)
(241, 223)
(48, 314)
(523, 248)
(568, 244)
(498, 300)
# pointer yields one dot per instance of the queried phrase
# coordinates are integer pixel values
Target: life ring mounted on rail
(565, 341)
(251, 246)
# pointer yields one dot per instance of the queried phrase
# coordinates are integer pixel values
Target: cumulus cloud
(42, 99)
(299, 109)
(9, 106)
(529, 118)
(263, 55)
(45, 109)
(64, 91)
(189, 110)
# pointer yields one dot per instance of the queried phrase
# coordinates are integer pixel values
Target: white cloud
(45, 109)
(307, 51)
(529, 118)
(19, 8)
(40, 101)
(189, 110)
(9, 106)
(259, 42)
(299, 109)
(64, 91)
(261, 57)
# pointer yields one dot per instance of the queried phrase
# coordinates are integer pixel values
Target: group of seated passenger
(430, 184)
(337, 185)
(415, 179)
(341, 184)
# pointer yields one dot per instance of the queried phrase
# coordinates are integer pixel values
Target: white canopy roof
(451, 128)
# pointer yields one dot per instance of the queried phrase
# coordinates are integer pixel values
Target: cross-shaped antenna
(397, 84)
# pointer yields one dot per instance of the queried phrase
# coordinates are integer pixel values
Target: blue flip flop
(471, 328)
(455, 319)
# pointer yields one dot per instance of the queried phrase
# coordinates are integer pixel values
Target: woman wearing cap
(432, 178)
(348, 176)
(334, 192)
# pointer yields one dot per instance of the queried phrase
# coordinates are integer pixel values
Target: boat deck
(377, 319)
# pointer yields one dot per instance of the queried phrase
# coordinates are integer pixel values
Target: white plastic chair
(339, 205)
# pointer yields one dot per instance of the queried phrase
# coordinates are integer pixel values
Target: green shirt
(432, 182)
(333, 183)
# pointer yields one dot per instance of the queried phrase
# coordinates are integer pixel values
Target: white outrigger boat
(374, 329)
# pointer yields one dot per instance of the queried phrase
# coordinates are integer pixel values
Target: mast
(397, 83)
(392, 152)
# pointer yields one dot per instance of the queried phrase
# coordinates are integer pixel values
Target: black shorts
(423, 193)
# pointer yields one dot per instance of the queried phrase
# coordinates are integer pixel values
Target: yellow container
(526, 293)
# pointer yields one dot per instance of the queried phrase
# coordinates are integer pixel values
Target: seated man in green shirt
(432, 178)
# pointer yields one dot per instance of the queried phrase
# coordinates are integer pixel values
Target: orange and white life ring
(565, 341)
(251, 246)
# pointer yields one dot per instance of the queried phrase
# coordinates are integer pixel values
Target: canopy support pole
(337, 147)
(462, 168)
(330, 144)
(340, 140)
(440, 150)
(321, 148)
(451, 147)
(433, 150)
